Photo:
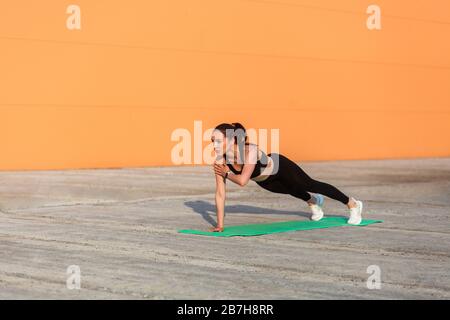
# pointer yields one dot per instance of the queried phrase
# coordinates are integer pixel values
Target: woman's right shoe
(316, 209)
(356, 213)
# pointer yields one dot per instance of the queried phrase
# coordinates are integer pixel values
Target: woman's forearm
(220, 205)
(237, 178)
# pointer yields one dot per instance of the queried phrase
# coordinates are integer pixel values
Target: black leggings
(291, 179)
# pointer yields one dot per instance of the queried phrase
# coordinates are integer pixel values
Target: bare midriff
(266, 172)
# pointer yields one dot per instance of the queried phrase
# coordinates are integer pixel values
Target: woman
(240, 161)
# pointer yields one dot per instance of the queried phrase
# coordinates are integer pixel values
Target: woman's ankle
(351, 203)
(312, 200)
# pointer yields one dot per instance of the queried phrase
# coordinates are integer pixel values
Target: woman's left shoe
(317, 212)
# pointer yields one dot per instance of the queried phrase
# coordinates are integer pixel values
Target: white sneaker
(355, 213)
(317, 212)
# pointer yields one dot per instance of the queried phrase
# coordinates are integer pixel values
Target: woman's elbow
(243, 182)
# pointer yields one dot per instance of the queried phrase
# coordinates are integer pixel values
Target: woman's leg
(299, 183)
(276, 184)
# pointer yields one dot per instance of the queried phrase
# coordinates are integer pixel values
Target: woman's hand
(216, 229)
(220, 169)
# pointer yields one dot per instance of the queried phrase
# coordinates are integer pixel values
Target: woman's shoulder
(253, 151)
(252, 146)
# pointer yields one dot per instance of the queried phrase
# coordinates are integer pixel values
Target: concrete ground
(120, 227)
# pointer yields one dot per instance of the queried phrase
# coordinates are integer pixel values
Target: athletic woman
(240, 161)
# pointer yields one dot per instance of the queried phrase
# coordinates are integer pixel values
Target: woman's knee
(312, 185)
(303, 182)
(301, 194)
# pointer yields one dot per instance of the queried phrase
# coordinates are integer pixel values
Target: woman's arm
(243, 178)
(220, 170)
(220, 202)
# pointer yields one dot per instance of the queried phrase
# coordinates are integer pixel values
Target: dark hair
(240, 137)
(235, 126)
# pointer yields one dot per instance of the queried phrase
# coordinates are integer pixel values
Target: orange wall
(110, 94)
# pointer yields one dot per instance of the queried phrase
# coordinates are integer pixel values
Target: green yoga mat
(285, 226)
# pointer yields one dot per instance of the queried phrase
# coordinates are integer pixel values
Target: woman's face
(220, 142)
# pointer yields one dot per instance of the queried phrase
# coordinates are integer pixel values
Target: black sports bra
(263, 162)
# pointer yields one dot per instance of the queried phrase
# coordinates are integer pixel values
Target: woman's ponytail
(242, 136)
